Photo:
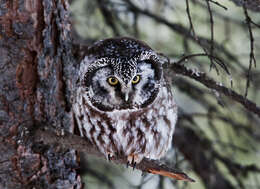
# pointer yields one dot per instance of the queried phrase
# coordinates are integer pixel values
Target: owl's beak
(126, 97)
(125, 93)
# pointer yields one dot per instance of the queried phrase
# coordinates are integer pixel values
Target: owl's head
(120, 73)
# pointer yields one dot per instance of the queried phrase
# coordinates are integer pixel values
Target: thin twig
(196, 38)
(252, 55)
(216, 59)
(211, 33)
(255, 24)
(218, 4)
(190, 21)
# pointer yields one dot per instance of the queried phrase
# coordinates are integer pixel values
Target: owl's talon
(134, 165)
(109, 156)
(127, 164)
(133, 160)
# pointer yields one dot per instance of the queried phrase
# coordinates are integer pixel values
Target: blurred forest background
(217, 136)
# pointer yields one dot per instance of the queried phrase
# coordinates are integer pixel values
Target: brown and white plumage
(134, 117)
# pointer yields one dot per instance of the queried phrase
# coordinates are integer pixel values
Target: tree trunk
(36, 62)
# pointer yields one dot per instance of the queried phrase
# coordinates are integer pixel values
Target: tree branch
(210, 83)
(70, 141)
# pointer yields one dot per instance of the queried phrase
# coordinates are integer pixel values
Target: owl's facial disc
(108, 90)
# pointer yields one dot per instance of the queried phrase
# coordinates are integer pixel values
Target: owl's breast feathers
(146, 132)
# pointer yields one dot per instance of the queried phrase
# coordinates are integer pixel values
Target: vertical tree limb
(35, 48)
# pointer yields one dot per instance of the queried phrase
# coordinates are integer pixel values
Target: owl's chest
(131, 125)
(131, 119)
(157, 119)
(147, 131)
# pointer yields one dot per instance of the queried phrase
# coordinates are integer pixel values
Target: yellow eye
(112, 81)
(136, 79)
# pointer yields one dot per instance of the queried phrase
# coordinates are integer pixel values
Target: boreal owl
(123, 102)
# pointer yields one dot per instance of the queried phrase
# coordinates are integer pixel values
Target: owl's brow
(148, 55)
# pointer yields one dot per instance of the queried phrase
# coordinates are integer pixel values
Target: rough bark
(35, 49)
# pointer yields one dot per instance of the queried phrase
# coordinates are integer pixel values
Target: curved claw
(133, 160)
(110, 156)
(134, 165)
